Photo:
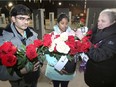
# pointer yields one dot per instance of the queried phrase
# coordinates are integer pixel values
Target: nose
(99, 23)
(65, 26)
(26, 21)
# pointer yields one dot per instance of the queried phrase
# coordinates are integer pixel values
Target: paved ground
(45, 82)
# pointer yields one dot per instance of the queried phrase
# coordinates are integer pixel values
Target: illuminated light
(60, 3)
(40, 1)
(82, 14)
(10, 4)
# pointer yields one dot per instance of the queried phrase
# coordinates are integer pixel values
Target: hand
(63, 71)
(29, 67)
(36, 66)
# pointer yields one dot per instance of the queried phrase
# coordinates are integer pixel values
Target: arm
(104, 52)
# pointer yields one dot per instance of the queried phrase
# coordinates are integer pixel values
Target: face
(21, 21)
(103, 21)
(63, 24)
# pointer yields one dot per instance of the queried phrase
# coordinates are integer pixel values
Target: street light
(10, 4)
(59, 3)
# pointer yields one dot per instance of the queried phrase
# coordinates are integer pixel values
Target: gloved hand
(51, 60)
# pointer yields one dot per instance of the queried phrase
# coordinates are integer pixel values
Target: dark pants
(57, 83)
(29, 80)
(21, 83)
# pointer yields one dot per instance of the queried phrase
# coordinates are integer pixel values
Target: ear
(13, 19)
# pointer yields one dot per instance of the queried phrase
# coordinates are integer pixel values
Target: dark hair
(20, 10)
(61, 16)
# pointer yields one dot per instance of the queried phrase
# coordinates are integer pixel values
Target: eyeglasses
(23, 18)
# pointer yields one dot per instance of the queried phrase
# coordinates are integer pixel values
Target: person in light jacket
(56, 77)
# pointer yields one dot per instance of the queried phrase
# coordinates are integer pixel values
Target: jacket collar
(57, 30)
(106, 32)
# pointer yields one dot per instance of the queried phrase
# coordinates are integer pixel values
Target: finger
(61, 72)
(36, 68)
(64, 71)
(36, 64)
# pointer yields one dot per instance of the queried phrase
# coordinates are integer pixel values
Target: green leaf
(10, 70)
(21, 62)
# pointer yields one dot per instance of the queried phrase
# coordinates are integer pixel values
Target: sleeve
(51, 60)
(103, 52)
(4, 75)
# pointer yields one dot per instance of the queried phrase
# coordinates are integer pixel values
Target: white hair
(111, 12)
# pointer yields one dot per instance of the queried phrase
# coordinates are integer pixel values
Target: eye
(21, 18)
(28, 19)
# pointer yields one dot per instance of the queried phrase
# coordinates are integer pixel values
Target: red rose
(71, 38)
(85, 39)
(55, 50)
(73, 51)
(82, 20)
(78, 45)
(71, 41)
(47, 40)
(8, 47)
(83, 46)
(9, 60)
(89, 32)
(38, 43)
(1, 54)
(31, 52)
(57, 36)
(13, 49)
(72, 44)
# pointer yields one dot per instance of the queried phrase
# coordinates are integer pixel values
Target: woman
(56, 77)
(101, 66)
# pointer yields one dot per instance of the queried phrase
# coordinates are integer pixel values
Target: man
(19, 33)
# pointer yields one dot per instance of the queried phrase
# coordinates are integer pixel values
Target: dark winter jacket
(101, 67)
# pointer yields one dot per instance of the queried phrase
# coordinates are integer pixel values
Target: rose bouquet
(64, 47)
(84, 44)
(58, 45)
(7, 56)
(35, 51)
(15, 59)
(83, 47)
(61, 46)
